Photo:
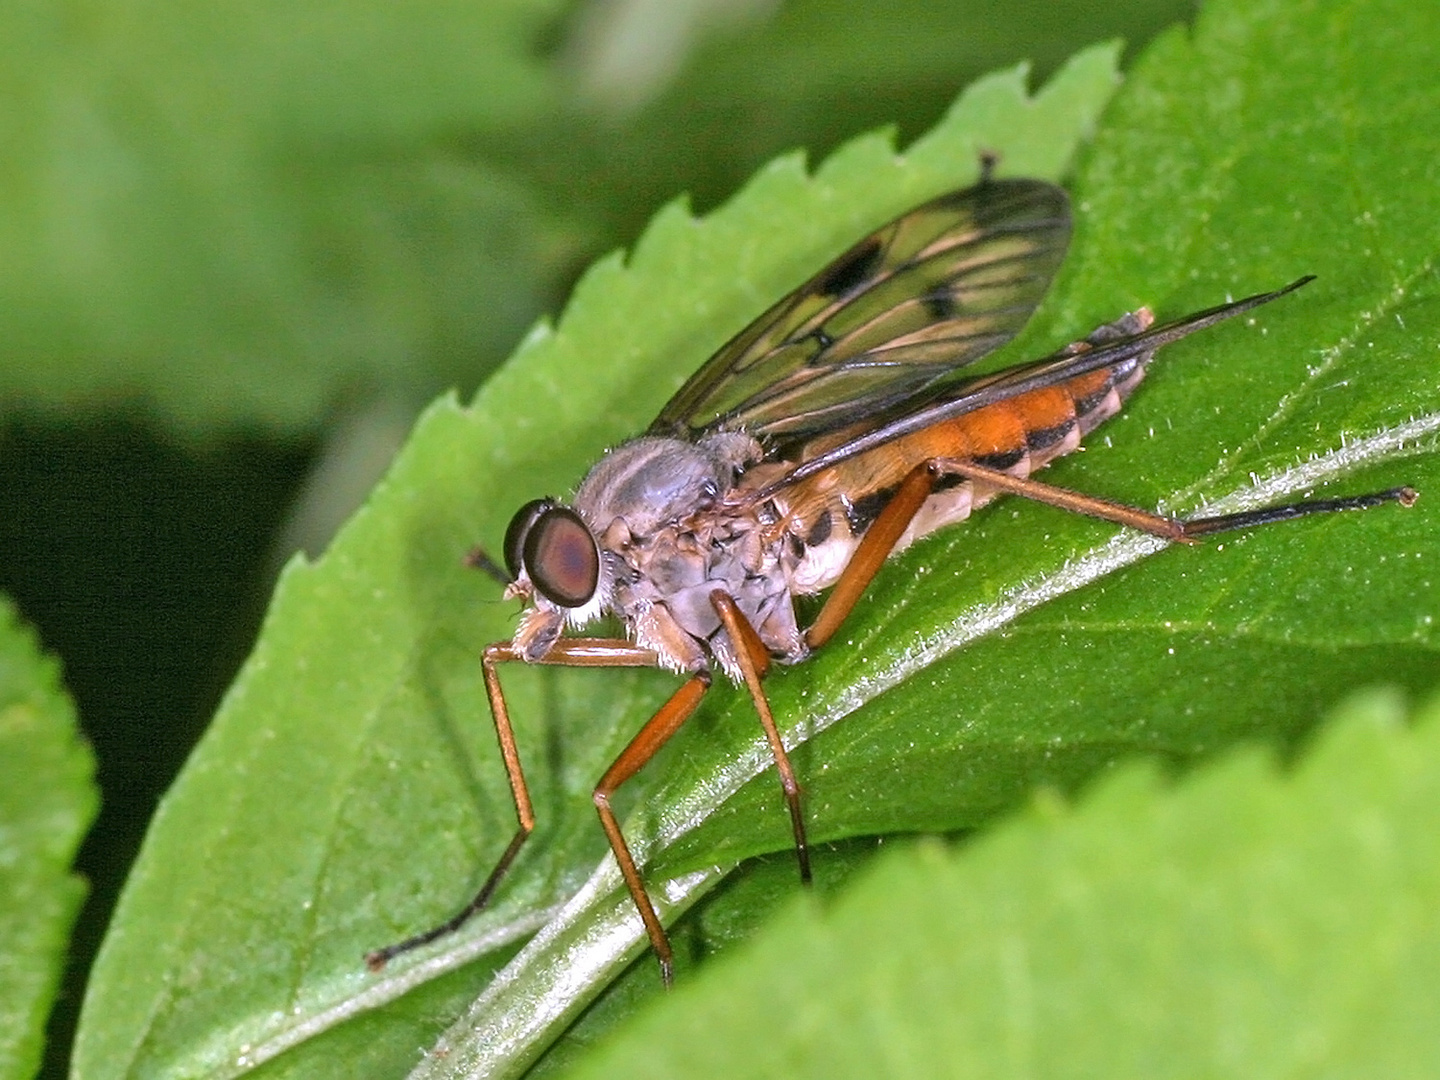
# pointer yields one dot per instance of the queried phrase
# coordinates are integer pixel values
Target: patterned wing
(887, 321)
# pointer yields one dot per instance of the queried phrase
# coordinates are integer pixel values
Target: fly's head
(556, 566)
(635, 537)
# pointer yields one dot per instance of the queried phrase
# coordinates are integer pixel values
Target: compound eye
(561, 557)
(518, 529)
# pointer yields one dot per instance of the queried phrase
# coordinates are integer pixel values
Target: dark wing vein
(887, 321)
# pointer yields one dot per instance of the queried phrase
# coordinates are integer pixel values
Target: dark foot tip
(377, 960)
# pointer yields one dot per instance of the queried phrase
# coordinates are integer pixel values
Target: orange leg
(880, 539)
(1184, 532)
(754, 660)
(567, 652)
(655, 734)
(875, 547)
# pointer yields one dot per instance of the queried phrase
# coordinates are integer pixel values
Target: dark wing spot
(820, 530)
(988, 160)
(941, 304)
(854, 267)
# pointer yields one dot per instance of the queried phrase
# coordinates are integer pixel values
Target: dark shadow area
(143, 564)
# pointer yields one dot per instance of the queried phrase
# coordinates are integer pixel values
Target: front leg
(754, 662)
(567, 652)
(646, 744)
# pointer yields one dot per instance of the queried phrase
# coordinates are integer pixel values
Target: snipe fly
(835, 429)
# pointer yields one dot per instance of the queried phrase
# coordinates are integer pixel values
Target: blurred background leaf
(233, 214)
(47, 798)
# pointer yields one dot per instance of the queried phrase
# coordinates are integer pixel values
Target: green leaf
(1246, 922)
(47, 800)
(348, 793)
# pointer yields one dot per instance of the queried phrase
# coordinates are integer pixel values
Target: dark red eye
(519, 528)
(561, 557)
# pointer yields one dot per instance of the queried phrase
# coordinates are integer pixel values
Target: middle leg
(754, 661)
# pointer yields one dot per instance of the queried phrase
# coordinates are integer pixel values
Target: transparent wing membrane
(887, 322)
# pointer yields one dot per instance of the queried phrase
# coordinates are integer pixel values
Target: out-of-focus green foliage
(47, 798)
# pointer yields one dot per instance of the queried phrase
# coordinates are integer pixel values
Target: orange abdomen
(1017, 436)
